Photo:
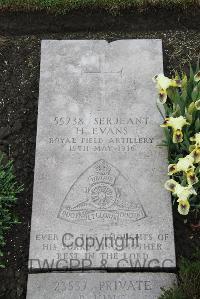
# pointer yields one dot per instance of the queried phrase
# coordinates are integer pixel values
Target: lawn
(63, 6)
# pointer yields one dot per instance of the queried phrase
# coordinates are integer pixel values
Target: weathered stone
(98, 285)
(99, 199)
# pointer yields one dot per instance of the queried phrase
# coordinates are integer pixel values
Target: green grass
(63, 6)
(189, 281)
(8, 197)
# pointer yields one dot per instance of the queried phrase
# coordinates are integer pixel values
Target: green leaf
(195, 93)
(160, 111)
(8, 197)
(197, 125)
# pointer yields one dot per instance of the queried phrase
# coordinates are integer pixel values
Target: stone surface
(98, 285)
(98, 196)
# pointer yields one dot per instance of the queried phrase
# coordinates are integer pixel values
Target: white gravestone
(98, 285)
(99, 200)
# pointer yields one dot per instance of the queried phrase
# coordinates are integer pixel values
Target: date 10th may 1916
(98, 144)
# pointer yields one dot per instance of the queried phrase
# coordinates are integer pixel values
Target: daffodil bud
(188, 117)
(184, 81)
(191, 108)
(197, 124)
(177, 110)
(195, 93)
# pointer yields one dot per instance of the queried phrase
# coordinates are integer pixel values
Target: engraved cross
(96, 65)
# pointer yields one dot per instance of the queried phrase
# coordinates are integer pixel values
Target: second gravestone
(99, 199)
(98, 285)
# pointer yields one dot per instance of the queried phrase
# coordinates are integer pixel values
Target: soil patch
(19, 77)
(152, 19)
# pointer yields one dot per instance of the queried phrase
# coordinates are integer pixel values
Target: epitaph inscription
(98, 199)
(98, 285)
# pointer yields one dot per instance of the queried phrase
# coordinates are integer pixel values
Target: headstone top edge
(100, 272)
(52, 41)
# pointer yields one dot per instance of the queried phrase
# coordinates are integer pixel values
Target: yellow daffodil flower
(162, 96)
(196, 154)
(180, 191)
(176, 123)
(197, 104)
(170, 185)
(184, 165)
(184, 192)
(191, 177)
(183, 207)
(197, 77)
(196, 139)
(162, 84)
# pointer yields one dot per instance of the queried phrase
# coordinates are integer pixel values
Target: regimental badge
(101, 195)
